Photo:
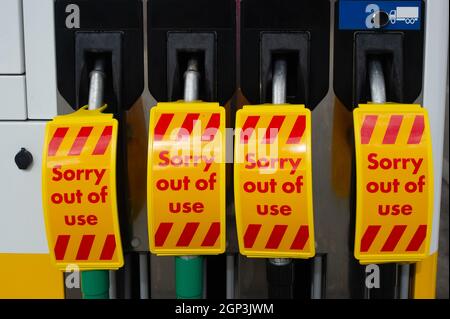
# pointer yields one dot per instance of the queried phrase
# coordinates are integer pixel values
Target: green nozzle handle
(95, 284)
(189, 277)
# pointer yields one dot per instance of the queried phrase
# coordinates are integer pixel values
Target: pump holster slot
(293, 47)
(90, 45)
(181, 46)
(388, 48)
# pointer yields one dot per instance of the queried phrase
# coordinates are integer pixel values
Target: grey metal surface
(138, 136)
(162, 277)
(230, 276)
(128, 289)
(442, 286)
(205, 279)
(377, 83)
(316, 281)
(280, 261)
(251, 278)
(332, 148)
(143, 276)
(443, 257)
(279, 82)
(404, 281)
(112, 284)
(191, 81)
(96, 86)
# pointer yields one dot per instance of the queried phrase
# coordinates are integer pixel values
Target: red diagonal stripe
(248, 128)
(56, 140)
(62, 241)
(367, 128)
(162, 233)
(417, 130)
(301, 238)
(80, 140)
(369, 236)
(188, 125)
(187, 234)
(250, 235)
(212, 235)
(392, 130)
(162, 125)
(393, 238)
(211, 128)
(103, 141)
(85, 247)
(418, 238)
(108, 247)
(273, 129)
(297, 130)
(276, 236)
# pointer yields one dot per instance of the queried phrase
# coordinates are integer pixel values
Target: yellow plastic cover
(394, 184)
(186, 179)
(79, 190)
(273, 181)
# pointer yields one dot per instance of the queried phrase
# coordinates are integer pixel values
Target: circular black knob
(382, 19)
(23, 159)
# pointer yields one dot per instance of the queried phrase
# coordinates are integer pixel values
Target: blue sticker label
(365, 15)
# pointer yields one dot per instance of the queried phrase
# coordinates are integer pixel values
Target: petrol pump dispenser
(186, 165)
(331, 192)
(99, 55)
(383, 58)
(284, 60)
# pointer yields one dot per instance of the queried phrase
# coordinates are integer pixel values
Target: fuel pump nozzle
(279, 82)
(189, 269)
(95, 283)
(97, 84)
(191, 81)
(279, 97)
(280, 271)
(377, 83)
(378, 95)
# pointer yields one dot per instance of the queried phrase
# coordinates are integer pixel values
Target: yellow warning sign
(394, 183)
(273, 181)
(186, 179)
(79, 190)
